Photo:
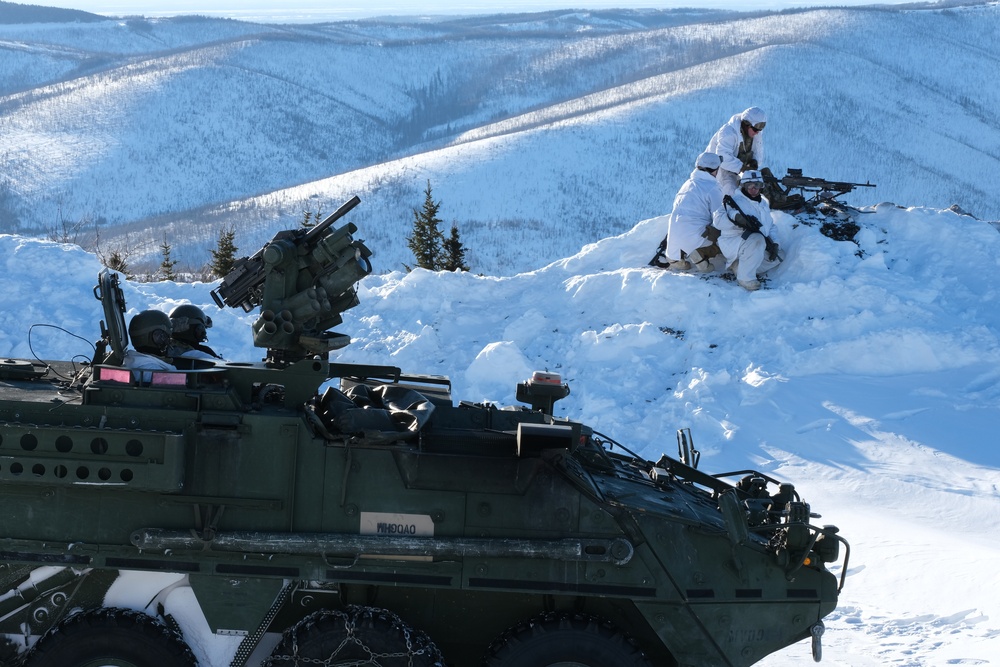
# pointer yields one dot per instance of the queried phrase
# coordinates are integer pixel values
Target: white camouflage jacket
(731, 235)
(726, 143)
(695, 204)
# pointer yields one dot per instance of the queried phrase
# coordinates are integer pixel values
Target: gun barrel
(844, 185)
(318, 230)
(805, 182)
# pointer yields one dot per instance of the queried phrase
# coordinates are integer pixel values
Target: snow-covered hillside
(541, 130)
(868, 374)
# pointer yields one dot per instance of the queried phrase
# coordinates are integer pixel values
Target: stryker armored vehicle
(294, 511)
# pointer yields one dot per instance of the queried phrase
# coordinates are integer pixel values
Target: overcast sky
(348, 9)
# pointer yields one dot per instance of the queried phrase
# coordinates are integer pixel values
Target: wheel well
(563, 636)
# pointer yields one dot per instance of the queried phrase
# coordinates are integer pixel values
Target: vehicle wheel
(565, 640)
(8, 652)
(110, 638)
(354, 636)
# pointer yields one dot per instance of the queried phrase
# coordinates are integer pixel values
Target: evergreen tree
(224, 254)
(427, 240)
(453, 253)
(167, 265)
(310, 219)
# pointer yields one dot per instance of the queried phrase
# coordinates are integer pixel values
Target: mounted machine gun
(302, 280)
(794, 191)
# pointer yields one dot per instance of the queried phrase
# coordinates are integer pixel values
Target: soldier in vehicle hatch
(149, 332)
(190, 327)
(740, 142)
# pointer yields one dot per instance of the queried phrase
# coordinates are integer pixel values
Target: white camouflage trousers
(751, 259)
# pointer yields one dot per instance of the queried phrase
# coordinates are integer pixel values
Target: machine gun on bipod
(302, 280)
(794, 191)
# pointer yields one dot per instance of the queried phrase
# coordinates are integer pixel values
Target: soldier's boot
(701, 258)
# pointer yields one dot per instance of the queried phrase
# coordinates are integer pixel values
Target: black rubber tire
(560, 639)
(350, 635)
(110, 638)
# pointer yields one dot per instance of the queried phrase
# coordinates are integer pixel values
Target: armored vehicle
(296, 511)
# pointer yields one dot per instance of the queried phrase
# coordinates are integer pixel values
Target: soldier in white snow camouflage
(690, 241)
(746, 230)
(740, 142)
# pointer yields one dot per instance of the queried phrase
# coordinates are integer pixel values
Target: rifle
(779, 191)
(750, 225)
(661, 252)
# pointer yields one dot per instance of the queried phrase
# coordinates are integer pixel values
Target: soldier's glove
(748, 223)
(771, 247)
(752, 164)
(711, 233)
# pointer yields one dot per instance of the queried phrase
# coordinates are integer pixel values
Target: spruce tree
(310, 219)
(224, 254)
(427, 240)
(453, 253)
(167, 265)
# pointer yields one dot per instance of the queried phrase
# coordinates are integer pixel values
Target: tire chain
(113, 615)
(554, 617)
(350, 617)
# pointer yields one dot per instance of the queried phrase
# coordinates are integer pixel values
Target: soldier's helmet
(150, 331)
(751, 176)
(754, 116)
(708, 161)
(190, 323)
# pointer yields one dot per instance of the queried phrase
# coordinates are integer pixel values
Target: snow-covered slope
(868, 374)
(544, 129)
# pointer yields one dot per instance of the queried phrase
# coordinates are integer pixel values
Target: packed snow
(867, 373)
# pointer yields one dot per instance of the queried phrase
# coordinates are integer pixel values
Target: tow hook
(817, 640)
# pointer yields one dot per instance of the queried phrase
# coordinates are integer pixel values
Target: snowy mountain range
(867, 372)
(533, 129)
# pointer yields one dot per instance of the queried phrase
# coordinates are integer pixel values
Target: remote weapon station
(294, 512)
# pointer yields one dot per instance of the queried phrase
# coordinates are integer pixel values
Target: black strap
(754, 223)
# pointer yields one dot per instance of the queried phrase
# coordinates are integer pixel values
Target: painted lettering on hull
(390, 525)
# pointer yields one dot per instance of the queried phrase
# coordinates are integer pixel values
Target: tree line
(431, 249)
